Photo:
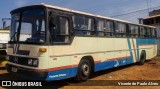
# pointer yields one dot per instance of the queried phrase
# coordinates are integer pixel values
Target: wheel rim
(85, 69)
(143, 58)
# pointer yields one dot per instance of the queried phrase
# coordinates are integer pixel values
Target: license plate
(13, 69)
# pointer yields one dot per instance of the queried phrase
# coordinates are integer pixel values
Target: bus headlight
(30, 61)
(35, 62)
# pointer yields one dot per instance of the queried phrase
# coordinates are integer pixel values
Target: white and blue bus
(53, 43)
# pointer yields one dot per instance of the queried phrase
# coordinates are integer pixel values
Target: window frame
(116, 27)
(142, 35)
(148, 32)
(155, 33)
(59, 28)
(67, 15)
(110, 33)
(82, 32)
(136, 33)
(101, 32)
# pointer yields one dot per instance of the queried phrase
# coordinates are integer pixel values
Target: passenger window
(153, 32)
(83, 25)
(109, 28)
(120, 29)
(148, 32)
(133, 30)
(101, 27)
(64, 26)
(59, 29)
(142, 32)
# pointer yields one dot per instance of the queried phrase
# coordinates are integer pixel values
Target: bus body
(4, 38)
(54, 43)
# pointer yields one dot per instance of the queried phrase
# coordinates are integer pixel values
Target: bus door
(60, 29)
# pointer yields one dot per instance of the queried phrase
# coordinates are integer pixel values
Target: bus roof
(152, 17)
(84, 13)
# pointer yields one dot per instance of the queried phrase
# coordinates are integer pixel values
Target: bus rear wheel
(142, 57)
(84, 70)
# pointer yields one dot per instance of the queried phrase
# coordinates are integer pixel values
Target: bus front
(27, 49)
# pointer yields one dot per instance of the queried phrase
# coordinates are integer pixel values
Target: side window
(83, 25)
(64, 29)
(142, 32)
(120, 29)
(59, 29)
(133, 30)
(109, 28)
(25, 33)
(77, 22)
(153, 32)
(101, 27)
(148, 32)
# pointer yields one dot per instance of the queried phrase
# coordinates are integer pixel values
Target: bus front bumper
(26, 73)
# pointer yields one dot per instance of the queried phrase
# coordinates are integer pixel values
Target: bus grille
(19, 60)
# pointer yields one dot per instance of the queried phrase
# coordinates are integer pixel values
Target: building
(153, 20)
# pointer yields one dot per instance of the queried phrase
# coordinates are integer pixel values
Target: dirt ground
(149, 71)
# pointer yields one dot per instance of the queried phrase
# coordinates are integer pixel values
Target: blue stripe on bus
(54, 75)
(146, 41)
(112, 63)
(137, 43)
(131, 54)
(71, 72)
(62, 74)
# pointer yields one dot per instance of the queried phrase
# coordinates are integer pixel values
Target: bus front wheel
(142, 57)
(84, 70)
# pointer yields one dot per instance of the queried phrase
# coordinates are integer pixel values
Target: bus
(54, 43)
(4, 38)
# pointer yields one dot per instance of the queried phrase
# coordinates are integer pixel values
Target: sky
(128, 10)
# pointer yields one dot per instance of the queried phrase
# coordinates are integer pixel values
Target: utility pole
(4, 21)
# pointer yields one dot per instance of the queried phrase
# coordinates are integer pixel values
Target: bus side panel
(63, 68)
(135, 46)
(106, 52)
(62, 74)
(117, 53)
(149, 45)
(62, 61)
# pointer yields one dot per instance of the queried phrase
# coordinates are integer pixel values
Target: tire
(142, 57)
(84, 70)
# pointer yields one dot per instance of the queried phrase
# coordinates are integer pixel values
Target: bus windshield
(28, 27)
